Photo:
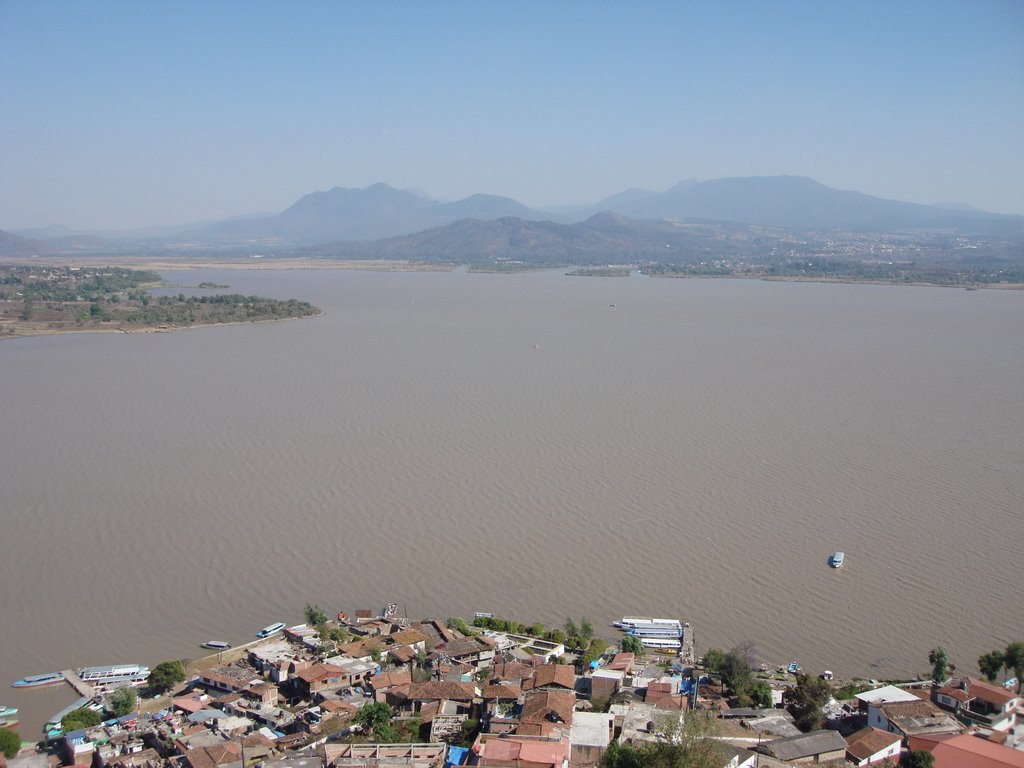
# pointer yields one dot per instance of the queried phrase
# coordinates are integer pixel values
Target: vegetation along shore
(38, 300)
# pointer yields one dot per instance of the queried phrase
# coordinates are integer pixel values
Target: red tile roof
(548, 707)
(434, 690)
(561, 675)
(870, 741)
(391, 679)
(318, 672)
(501, 691)
(971, 752)
(990, 693)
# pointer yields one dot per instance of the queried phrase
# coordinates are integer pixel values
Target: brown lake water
(517, 444)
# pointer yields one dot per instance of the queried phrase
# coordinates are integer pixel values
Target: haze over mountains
(381, 212)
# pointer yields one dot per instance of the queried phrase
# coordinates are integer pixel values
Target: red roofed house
(966, 751)
(869, 746)
(520, 751)
(320, 677)
(560, 676)
(547, 712)
(978, 703)
(476, 650)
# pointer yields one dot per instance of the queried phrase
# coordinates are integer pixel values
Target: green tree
(470, 730)
(1014, 659)
(714, 659)
(375, 653)
(805, 701)
(939, 660)
(556, 636)
(166, 675)
(80, 718)
(458, 624)
(622, 756)
(737, 674)
(386, 734)
(122, 701)
(535, 630)
(571, 630)
(586, 630)
(594, 652)
(10, 742)
(761, 695)
(918, 758)
(632, 644)
(374, 715)
(315, 615)
(990, 664)
(690, 744)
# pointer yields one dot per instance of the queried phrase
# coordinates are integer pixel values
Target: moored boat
(216, 645)
(34, 681)
(8, 717)
(114, 676)
(271, 629)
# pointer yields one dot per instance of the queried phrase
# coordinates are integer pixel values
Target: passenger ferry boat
(655, 632)
(33, 681)
(272, 629)
(114, 676)
(836, 560)
(635, 622)
(661, 643)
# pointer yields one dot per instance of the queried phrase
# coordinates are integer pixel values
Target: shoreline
(387, 265)
(37, 332)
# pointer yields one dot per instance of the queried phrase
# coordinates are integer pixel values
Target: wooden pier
(80, 686)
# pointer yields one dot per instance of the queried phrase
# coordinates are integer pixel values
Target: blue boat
(33, 681)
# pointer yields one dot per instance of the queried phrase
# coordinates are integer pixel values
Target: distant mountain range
(380, 212)
(601, 239)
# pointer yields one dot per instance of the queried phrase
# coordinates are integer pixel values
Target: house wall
(891, 752)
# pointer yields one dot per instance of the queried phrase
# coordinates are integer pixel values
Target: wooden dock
(80, 686)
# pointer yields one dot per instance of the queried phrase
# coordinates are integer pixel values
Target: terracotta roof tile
(561, 675)
(869, 741)
(442, 689)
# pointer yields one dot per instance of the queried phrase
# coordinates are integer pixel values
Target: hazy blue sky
(137, 113)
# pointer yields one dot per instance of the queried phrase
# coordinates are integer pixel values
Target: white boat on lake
(837, 559)
(271, 629)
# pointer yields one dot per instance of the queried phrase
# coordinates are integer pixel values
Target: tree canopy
(166, 675)
(918, 758)
(10, 742)
(805, 701)
(690, 744)
(632, 644)
(939, 660)
(122, 701)
(990, 663)
(315, 615)
(375, 716)
(1014, 659)
(80, 718)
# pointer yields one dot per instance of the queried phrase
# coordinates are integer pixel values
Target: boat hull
(39, 681)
